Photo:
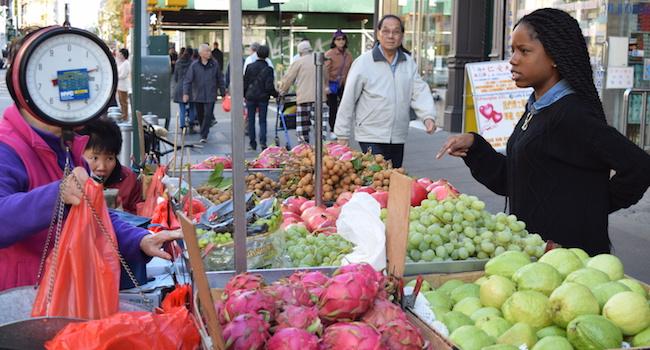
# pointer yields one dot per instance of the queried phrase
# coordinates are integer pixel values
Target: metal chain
(110, 239)
(57, 235)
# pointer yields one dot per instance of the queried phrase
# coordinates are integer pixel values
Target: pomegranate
(353, 335)
(246, 332)
(302, 317)
(292, 339)
(418, 194)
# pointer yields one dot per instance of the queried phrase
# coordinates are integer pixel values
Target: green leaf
(225, 184)
(216, 177)
(375, 168)
(356, 163)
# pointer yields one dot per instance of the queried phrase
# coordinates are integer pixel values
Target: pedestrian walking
(202, 82)
(302, 72)
(383, 85)
(184, 108)
(123, 82)
(217, 54)
(173, 57)
(252, 57)
(556, 174)
(339, 61)
(258, 88)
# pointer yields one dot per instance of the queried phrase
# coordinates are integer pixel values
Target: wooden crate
(436, 280)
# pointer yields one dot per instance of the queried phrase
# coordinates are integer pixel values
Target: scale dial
(64, 76)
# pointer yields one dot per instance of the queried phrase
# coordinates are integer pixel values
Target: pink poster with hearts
(498, 102)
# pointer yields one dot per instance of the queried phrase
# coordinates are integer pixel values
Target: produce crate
(436, 280)
(199, 177)
(452, 266)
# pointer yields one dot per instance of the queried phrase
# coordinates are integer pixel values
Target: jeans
(391, 151)
(262, 106)
(204, 112)
(184, 108)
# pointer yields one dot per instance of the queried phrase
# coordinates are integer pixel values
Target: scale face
(66, 76)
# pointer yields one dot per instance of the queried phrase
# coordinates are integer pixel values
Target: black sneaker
(213, 123)
(252, 147)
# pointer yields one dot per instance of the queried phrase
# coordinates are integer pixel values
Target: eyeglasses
(388, 33)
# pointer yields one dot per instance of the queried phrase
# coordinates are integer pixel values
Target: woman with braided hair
(561, 154)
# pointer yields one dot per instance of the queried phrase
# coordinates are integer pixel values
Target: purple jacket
(27, 203)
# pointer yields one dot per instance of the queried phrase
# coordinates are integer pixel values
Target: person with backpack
(258, 88)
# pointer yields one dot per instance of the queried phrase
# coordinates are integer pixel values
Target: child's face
(101, 163)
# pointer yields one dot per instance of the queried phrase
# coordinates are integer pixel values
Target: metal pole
(626, 107)
(139, 16)
(237, 95)
(319, 60)
(644, 110)
(280, 32)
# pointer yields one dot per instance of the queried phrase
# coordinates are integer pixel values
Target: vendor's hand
(71, 193)
(151, 244)
(430, 125)
(186, 98)
(457, 146)
(343, 142)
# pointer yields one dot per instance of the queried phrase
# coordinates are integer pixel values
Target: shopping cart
(285, 117)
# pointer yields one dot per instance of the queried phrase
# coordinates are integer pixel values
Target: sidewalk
(629, 228)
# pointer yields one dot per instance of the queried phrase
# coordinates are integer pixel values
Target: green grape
(438, 210)
(454, 255)
(487, 247)
(415, 254)
(487, 235)
(203, 242)
(436, 240)
(514, 247)
(482, 255)
(441, 252)
(504, 237)
(499, 250)
(457, 218)
(447, 217)
(469, 216)
(449, 247)
(478, 205)
(423, 246)
(416, 238)
(449, 206)
(428, 238)
(425, 219)
(469, 232)
(434, 229)
(460, 207)
(463, 253)
(428, 255)
(477, 240)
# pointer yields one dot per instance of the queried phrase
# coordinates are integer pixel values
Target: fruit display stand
(437, 280)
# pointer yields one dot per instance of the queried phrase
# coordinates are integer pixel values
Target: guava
(494, 326)
(537, 276)
(438, 299)
(506, 264)
(528, 307)
(604, 291)
(581, 254)
(450, 285)
(483, 312)
(588, 277)
(553, 343)
(424, 288)
(628, 311)
(465, 291)
(501, 347)
(563, 260)
(588, 332)
(634, 286)
(518, 334)
(496, 290)
(456, 319)
(549, 331)
(609, 264)
(468, 306)
(642, 338)
(480, 280)
(470, 338)
(571, 300)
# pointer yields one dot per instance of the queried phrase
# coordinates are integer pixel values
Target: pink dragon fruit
(289, 294)
(218, 306)
(364, 268)
(292, 339)
(442, 189)
(302, 317)
(354, 335)
(313, 281)
(346, 297)
(249, 302)
(246, 332)
(293, 204)
(243, 281)
(301, 149)
(382, 312)
(400, 334)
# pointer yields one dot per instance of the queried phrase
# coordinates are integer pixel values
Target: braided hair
(563, 41)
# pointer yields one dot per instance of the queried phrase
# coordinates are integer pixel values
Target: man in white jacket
(381, 88)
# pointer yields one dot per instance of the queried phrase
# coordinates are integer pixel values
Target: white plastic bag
(360, 224)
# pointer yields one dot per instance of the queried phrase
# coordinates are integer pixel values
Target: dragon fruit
(271, 157)
(249, 302)
(313, 281)
(354, 335)
(218, 306)
(292, 339)
(293, 204)
(246, 332)
(382, 312)
(289, 294)
(346, 297)
(212, 162)
(400, 334)
(301, 149)
(364, 268)
(243, 281)
(442, 189)
(300, 317)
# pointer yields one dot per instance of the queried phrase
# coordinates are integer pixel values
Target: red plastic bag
(164, 216)
(154, 191)
(226, 103)
(85, 275)
(172, 330)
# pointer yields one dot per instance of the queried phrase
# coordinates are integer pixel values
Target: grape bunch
(306, 249)
(206, 237)
(460, 228)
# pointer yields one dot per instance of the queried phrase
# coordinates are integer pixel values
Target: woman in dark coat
(182, 65)
(258, 88)
(560, 156)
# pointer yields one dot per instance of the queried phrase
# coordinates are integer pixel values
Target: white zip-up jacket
(377, 102)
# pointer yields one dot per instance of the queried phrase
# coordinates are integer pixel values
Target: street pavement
(629, 229)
